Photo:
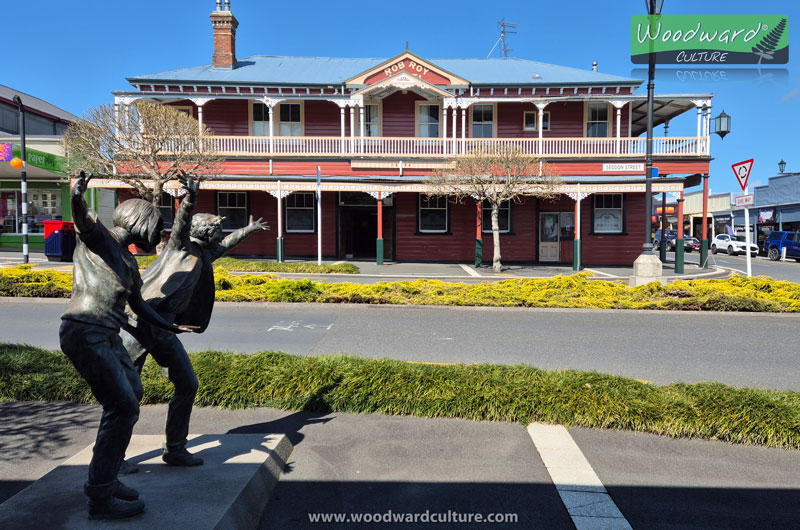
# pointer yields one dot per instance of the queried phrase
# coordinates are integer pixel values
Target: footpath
(449, 272)
(346, 467)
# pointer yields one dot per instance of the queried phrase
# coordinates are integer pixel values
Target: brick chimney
(224, 24)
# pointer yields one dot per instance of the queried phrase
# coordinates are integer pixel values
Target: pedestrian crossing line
(469, 270)
(586, 499)
(605, 274)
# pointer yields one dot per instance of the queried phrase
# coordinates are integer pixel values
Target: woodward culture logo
(710, 39)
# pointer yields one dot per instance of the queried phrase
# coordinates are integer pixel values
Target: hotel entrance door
(549, 245)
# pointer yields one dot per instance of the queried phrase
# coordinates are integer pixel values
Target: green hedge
(478, 392)
(737, 293)
(240, 265)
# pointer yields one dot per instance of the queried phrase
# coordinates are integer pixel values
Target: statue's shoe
(114, 508)
(127, 468)
(125, 493)
(181, 458)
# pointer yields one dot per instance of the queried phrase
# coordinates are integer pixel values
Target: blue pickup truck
(776, 241)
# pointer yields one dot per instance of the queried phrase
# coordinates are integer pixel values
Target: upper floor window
(531, 121)
(597, 120)
(433, 213)
(608, 213)
(233, 206)
(167, 209)
(428, 121)
(372, 120)
(291, 124)
(260, 119)
(482, 121)
(503, 217)
(300, 212)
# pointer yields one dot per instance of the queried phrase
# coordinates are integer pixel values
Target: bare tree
(496, 175)
(144, 145)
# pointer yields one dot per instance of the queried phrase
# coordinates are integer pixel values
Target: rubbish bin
(59, 240)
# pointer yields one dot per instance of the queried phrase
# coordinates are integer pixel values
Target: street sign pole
(742, 172)
(747, 236)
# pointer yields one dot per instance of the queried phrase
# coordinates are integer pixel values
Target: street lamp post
(24, 178)
(647, 266)
(653, 8)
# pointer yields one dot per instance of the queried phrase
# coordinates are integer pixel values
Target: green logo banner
(41, 159)
(710, 39)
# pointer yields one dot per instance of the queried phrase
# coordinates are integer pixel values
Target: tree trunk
(496, 266)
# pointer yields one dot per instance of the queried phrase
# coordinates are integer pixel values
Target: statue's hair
(204, 225)
(138, 217)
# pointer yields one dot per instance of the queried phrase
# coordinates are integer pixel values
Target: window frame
(184, 108)
(545, 120)
(277, 121)
(595, 212)
(472, 119)
(587, 115)
(438, 198)
(246, 208)
(379, 117)
(485, 208)
(417, 114)
(253, 120)
(313, 209)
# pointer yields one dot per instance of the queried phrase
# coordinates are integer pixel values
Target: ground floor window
(503, 217)
(43, 205)
(433, 214)
(608, 213)
(233, 206)
(300, 212)
(567, 226)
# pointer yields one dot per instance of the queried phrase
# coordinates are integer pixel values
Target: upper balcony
(411, 147)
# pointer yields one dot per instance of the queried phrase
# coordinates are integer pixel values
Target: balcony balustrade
(410, 147)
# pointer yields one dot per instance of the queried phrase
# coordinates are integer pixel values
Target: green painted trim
(704, 253)
(679, 256)
(14, 241)
(576, 254)
(66, 203)
(478, 253)
(280, 250)
(379, 251)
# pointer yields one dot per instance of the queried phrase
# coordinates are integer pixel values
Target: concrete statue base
(230, 491)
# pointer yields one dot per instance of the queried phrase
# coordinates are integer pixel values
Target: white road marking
(337, 262)
(295, 324)
(581, 491)
(602, 273)
(470, 270)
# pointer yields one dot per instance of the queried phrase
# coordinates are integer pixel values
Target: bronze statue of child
(106, 278)
(179, 285)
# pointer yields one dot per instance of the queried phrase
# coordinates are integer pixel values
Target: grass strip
(478, 392)
(738, 293)
(241, 265)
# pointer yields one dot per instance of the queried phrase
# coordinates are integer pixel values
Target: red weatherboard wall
(520, 244)
(323, 118)
(227, 117)
(399, 114)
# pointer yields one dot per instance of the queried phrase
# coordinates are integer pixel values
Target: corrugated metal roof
(32, 103)
(336, 70)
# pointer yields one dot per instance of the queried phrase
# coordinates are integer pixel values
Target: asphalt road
(788, 270)
(735, 348)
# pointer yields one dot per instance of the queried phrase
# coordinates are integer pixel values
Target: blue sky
(73, 54)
